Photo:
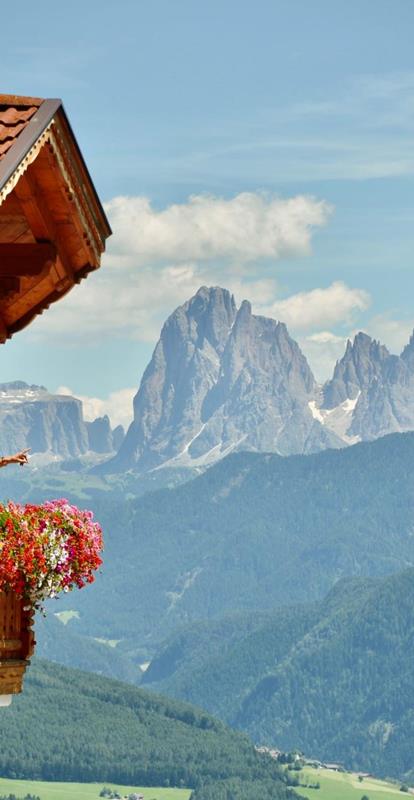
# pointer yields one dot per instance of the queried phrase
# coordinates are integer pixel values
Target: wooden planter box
(16, 644)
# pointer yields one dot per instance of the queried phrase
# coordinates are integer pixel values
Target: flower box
(44, 549)
(16, 643)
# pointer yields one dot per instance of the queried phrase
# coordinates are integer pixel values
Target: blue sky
(249, 107)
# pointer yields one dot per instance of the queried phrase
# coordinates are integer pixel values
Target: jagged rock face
(49, 424)
(371, 392)
(31, 417)
(220, 380)
(118, 436)
(362, 363)
(407, 354)
(100, 437)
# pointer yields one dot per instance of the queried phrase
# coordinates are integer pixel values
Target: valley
(249, 571)
(333, 786)
(346, 786)
(207, 400)
(55, 790)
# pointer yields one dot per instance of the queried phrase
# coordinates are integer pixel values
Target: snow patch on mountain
(337, 419)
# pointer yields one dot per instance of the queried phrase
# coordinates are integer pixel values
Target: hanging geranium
(46, 549)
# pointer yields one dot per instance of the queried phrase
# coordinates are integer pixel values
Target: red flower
(45, 549)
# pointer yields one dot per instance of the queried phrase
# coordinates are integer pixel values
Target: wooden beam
(40, 219)
(8, 286)
(25, 259)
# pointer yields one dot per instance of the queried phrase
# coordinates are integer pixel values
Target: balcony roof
(53, 228)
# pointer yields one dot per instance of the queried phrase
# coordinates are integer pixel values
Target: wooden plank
(25, 259)
(39, 217)
(8, 286)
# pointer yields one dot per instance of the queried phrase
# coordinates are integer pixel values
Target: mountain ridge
(252, 532)
(222, 379)
(51, 425)
(330, 678)
(74, 726)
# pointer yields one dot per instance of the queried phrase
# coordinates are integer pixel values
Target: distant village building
(270, 751)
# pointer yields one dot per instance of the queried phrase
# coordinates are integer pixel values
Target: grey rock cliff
(100, 437)
(372, 391)
(118, 436)
(51, 425)
(31, 417)
(363, 362)
(221, 379)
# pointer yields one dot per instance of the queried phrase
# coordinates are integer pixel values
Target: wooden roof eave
(10, 165)
(49, 134)
(28, 144)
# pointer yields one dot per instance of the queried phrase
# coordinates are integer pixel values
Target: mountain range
(220, 585)
(51, 425)
(223, 379)
(72, 726)
(331, 678)
(219, 582)
(253, 532)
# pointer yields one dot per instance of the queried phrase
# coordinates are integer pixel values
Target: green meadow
(346, 786)
(84, 791)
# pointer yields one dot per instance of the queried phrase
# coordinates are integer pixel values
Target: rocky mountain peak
(362, 362)
(21, 388)
(51, 425)
(408, 353)
(220, 379)
(371, 392)
(223, 379)
(206, 317)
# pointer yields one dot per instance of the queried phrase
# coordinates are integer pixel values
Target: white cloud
(248, 227)
(323, 349)
(394, 333)
(325, 337)
(118, 406)
(158, 259)
(337, 303)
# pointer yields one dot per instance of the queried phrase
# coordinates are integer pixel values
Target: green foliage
(331, 678)
(236, 789)
(13, 797)
(53, 790)
(62, 643)
(253, 532)
(68, 725)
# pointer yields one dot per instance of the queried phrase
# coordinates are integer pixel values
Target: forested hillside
(70, 725)
(333, 678)
(253, 532)
(60, 642)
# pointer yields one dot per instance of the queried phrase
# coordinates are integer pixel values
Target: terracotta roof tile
(15, 114)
